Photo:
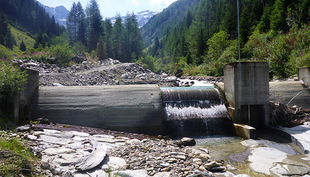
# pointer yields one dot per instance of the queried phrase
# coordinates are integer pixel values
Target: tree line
(87, 29)
(206, 38)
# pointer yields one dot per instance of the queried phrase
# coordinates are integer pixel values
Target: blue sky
(109, 8)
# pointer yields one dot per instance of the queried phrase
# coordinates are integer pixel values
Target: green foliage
(22, 46)
(15, 157)
(11, 81)
(61, 52)
(101, 50)
(217, 44)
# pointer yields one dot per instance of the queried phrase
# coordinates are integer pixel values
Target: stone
(55, 151)
(135, 173)
(263, 158)
(45, 165)
(31, 137)
(55, 140)
(115, 163)
(133, 141)
(197, 161)
(186, 142)
(204, 157)
(202, 168)
(23, 128)
(163, 174)
(217, 169)
(290, 170)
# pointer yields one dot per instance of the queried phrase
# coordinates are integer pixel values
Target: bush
(12, 80)
(62, 53)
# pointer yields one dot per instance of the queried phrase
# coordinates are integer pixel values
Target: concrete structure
(291, 92)
(304, 75)
(248, 92)
(26, 100)
(245, 131)
(130, 108)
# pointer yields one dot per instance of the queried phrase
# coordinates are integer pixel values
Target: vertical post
(239, 39)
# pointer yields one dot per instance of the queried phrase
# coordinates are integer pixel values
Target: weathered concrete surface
(245, 131)
(130, 108)
(284, 91)
(304, 74)
(25, 100)
(247, 90)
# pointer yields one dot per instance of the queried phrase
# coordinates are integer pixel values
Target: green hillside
(22, 36)
(206, 38)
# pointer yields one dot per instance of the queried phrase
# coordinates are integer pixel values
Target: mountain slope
(168, 18)
(143, 17)
(60, 13)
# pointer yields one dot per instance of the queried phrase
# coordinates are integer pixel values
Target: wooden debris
(95, 158)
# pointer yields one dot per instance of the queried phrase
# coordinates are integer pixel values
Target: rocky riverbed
(60, 151)
(106, 72)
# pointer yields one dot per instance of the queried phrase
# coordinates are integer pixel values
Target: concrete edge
(288, 137)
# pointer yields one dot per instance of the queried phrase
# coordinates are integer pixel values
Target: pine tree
(278, 16)
(39, 41)
(22, 46)
(81, 34)
(101, 50)
(133, 38)
(108, 28)
(94, 28)
(9, 39)
(72, 24)
(117, 38)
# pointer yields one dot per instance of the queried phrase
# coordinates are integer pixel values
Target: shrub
(12, 80)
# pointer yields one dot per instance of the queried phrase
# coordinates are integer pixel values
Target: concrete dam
(145, 109)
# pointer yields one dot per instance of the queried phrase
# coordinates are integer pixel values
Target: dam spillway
(195, 111)
(148, 109)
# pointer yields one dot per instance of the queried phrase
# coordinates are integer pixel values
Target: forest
(190, 37)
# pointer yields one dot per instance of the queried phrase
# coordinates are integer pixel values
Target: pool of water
(234, 152)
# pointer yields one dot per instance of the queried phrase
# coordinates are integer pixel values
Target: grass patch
(15, 157)
(22, 36)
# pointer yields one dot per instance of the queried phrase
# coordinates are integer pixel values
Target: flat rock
(55, 151)
(55, 140)
(263, 158)
(115, 163)
(132, 173)
(32, 137)
(23, 128)
(290, 170)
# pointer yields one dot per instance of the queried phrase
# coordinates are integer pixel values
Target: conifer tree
(117, 38)
(9, 39)
(22, 46)
(94, 28)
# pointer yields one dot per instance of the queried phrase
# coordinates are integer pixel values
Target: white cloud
(135, 2)
(155, 2)
(168, 2)
(159, 2)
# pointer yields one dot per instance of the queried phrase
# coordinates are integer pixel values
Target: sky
(109, 8)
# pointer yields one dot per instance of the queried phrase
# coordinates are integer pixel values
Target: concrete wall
(26, 100)
(248, 93)
(304, 74)
(130, 108)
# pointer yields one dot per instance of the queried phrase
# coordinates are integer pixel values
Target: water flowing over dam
(148, 109)
(195, 111)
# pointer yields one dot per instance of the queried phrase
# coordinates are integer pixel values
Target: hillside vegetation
(275, 31)
(190, 37)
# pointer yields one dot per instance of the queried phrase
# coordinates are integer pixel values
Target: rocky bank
(106, 72)
(60, 151)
